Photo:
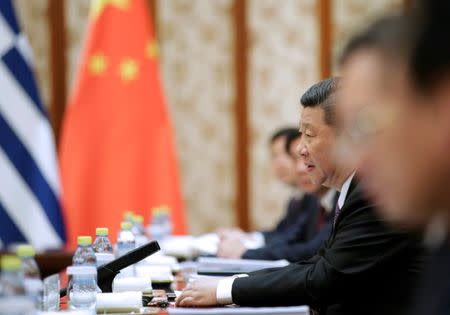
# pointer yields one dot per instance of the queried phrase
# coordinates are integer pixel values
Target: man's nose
(301, 149)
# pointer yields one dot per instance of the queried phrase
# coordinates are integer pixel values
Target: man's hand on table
(199, 292)
(231, 248)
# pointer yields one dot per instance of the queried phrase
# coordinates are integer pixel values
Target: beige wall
(282, 64)
(351, 15)
(197, 67)
(196, 39)
(33, 16)
(76, 25)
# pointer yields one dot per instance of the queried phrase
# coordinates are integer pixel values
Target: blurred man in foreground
(313, 224)
(365, 267)
(394, 117)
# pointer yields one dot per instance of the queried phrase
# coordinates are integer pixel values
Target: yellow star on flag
(152, 49)
(128, 69)
(97, 64)
(98, 6)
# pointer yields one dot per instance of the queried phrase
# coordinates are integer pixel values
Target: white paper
(157, 273)
(206, 244)
(291, 310)
(68, 312)
(237, 265)
(119, 302)
(160, 259)
(190, 246)
(178, 246)
(140, 284)
(193, 246)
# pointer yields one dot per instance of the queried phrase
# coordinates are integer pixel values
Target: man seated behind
(312, 227)
(365, 267)
(282, 166)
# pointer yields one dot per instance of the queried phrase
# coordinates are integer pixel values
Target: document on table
(224, 266)
(190, 246)
(231, 310)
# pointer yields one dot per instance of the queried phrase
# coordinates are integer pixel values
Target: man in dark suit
(365, 267)
(282, 166)
(397, 81)
(287, 223)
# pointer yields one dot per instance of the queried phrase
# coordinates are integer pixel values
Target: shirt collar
(436, 230)
(344, 191)
(327, 200)
(298, 194)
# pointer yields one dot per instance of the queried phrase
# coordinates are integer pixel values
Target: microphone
(107, 272)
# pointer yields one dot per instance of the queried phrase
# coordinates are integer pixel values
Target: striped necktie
(337, 212)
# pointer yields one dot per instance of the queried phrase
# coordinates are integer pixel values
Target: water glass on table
(51, 293)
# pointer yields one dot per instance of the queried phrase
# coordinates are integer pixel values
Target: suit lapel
(354, 188)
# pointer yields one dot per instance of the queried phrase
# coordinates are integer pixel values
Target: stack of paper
(119, 302)
(224, 266)
(68, 312)
(139, 284)
(190, 246)
(194, 246)
(291, 310)
(158, 273)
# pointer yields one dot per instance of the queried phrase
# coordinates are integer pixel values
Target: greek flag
(29, 182)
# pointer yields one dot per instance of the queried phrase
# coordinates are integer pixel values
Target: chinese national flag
(116, 147)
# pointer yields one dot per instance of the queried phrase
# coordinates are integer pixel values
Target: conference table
(54, 262)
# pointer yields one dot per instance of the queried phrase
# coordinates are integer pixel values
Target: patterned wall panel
(349, 16)
(33, 17)
(196, 39)
(77, 14)
(283, 48)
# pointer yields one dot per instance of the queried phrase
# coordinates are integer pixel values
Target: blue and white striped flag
(29, 182)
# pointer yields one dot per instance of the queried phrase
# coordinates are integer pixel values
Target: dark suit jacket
(365, 267)
(296, 214)
(434, 293)
(301, 245)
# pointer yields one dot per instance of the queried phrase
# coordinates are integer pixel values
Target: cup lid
(84, 240)
(10, 263)
(102, 231)
(126, 225)
(25, 250)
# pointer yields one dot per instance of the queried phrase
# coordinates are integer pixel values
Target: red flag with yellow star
(116, 146)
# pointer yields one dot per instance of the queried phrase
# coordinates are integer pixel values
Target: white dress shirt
(225, 286)
(344, 191)
(327, 200)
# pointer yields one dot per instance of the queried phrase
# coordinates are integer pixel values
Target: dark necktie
(321, 218)
(337, 211)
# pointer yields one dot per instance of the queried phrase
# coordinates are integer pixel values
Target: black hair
(321, 95)
(286, 132)
(430, 59)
